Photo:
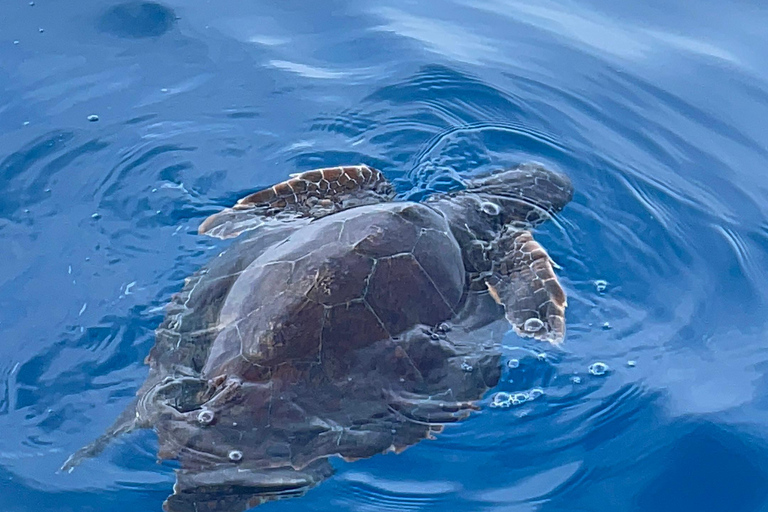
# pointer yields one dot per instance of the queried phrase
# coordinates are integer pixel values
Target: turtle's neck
(472, 227)
(464, 212)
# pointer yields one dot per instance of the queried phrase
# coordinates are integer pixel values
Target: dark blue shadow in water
(710, 468)
(137, 20)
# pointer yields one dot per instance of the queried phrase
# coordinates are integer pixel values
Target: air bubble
(205, 417)
(532, 325)
(465, 366)
(489, 208)
(601, 285)
(598, 369)
(513, 363)
(631, 363)
(542, 356)
(576, 380)
(93, 118)
(235, 455)
(606, 326)
(519, 398)
(501, 399)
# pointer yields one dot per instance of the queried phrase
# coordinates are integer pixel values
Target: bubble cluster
(465, 366)
(598, 369)
(503, 400)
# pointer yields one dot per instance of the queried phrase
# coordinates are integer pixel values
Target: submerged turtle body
(340, 323)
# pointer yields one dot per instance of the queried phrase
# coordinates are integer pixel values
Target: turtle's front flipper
(310, 194)
(524, 282)
(126, 422)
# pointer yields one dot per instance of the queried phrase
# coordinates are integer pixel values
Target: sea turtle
(341, 322)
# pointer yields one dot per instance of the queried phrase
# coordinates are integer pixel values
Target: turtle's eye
(490, 208)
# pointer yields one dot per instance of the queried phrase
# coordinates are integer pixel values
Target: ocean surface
(123, 125)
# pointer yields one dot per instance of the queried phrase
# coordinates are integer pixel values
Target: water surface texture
(122, 125)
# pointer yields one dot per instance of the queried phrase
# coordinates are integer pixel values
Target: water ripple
(364, 491)
(656, 115)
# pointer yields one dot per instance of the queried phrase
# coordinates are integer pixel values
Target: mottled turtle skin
(340, 323)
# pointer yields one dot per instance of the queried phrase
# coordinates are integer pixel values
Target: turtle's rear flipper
(125, 423)
(524, 282)
(233, 488)
(310, 194)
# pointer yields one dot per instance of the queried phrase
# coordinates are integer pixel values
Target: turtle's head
(526, 195)
(522, 197)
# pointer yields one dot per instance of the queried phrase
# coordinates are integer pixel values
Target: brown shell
(342, 283)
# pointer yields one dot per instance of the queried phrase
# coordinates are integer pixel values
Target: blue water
(656, 110)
